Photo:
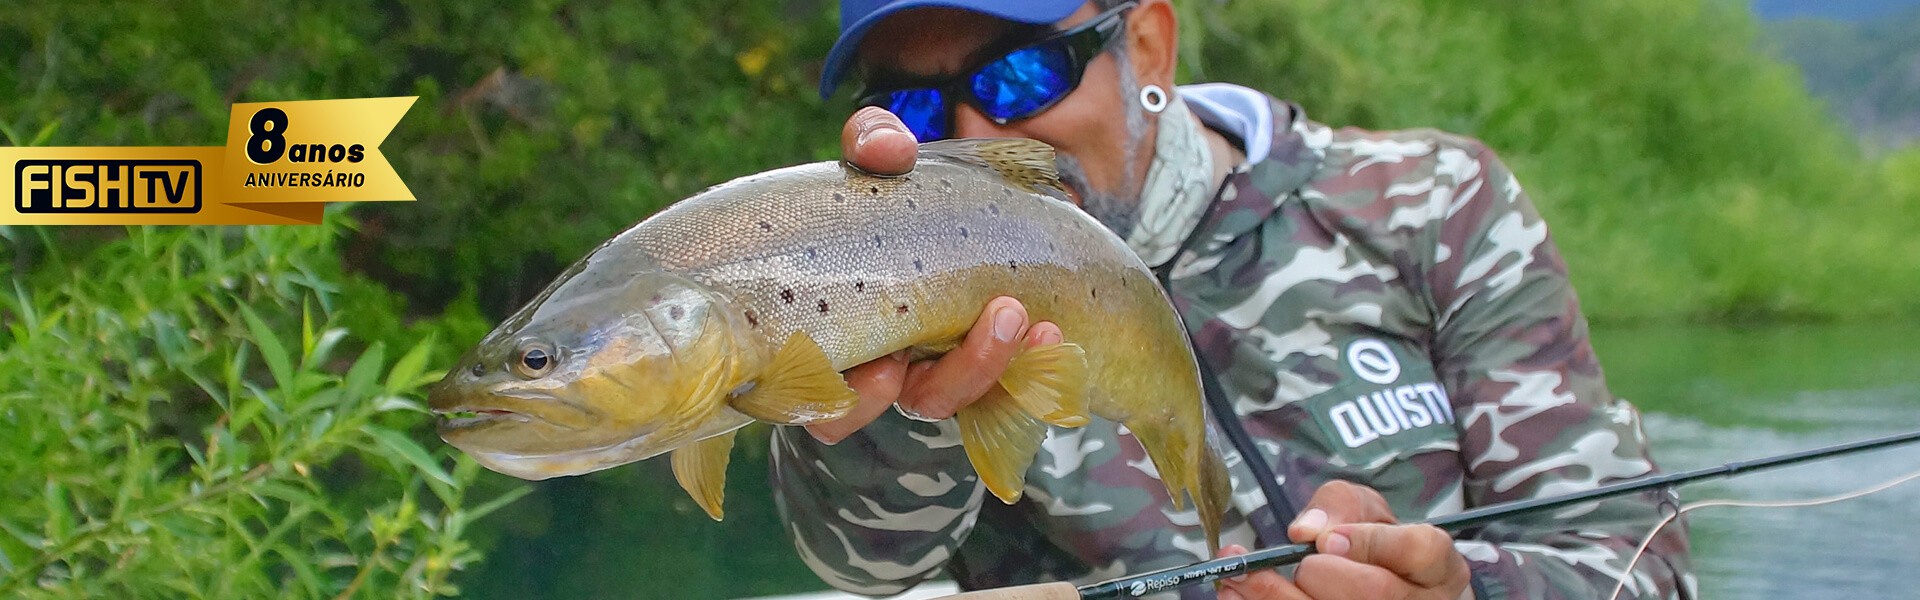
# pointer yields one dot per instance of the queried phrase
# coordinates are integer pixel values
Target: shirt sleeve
(882, 510)
(1535, 416)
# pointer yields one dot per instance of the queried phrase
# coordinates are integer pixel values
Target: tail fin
(1191, 470)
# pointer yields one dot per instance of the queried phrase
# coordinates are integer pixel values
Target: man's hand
(1363, 553)
(876, 141)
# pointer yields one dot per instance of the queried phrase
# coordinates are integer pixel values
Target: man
(1384, 312)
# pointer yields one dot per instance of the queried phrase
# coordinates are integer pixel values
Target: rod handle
(1058, 590)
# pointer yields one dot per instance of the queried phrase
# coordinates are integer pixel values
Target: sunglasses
(1019, 84)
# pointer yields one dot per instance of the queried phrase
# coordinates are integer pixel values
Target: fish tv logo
(105, 186)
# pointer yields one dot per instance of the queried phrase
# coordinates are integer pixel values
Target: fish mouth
(460, 418)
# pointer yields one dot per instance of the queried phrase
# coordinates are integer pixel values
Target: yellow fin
(1216, 492)
(1000, 441)
(1190, 468)
(1050, 383)
(701, 469)
(1027, 164)
(1174, 457)
(799, 387)
(1000, 430)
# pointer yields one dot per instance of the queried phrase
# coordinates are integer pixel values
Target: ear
(1153, 42)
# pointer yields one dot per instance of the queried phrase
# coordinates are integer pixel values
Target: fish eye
(536, 360)
(478, 369)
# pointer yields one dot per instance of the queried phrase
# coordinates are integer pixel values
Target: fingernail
(1006, 324)
(868, 128)
(819, 438)
(1338, 545)
(1313, 520)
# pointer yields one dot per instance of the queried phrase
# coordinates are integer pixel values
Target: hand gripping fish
(746, 301)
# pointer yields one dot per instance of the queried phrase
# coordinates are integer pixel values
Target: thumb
(875, 141)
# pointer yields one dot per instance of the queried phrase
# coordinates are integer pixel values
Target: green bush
(1686, 176)
(180, 416)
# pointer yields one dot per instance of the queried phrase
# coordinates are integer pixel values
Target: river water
(1710, 396)
(1713, 396)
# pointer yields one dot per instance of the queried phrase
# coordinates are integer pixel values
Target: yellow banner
(283, 162)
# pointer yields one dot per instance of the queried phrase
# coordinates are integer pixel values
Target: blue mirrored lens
(923, 110)
(1023, 81)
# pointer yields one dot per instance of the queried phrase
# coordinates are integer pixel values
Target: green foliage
(181, 417)
(1685, 176)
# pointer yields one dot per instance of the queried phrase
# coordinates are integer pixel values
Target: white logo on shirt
(1373, 361)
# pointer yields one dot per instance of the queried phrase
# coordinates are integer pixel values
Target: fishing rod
(1266, 558)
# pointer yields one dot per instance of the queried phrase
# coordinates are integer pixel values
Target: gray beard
(1117, 209)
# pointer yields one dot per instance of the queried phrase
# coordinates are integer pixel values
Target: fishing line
(1675, 515)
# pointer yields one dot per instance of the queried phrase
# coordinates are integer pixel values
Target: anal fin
(1050, 383)
(701, 469)
(1001, 441)
(798, 387)
(1002, 431)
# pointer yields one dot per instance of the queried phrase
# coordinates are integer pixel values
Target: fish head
(598, 371)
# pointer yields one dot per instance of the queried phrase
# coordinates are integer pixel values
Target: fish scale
(762, 289)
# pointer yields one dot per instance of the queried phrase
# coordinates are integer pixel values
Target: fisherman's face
(1103, 136)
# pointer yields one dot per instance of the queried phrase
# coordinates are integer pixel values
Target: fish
(745, 302)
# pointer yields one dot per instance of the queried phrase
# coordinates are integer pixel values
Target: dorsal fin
(1027, 164)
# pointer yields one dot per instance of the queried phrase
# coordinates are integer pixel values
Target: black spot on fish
(873, 189)
(876, 240)
(910, 204)
(963, 232)
(823, 306)
(918, 266)
(1008, 192)
(993, 209)
(859, 286)
(676, 311)
(752, 321)
(765, 226)
(813, 253)
(1096, 293)
(787, 295)
(900, 310)
(947, 184)
(1015, 267)
(839, 197)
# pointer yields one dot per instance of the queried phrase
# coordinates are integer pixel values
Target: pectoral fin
(1002, 430)
(799, 387)
(701, 469)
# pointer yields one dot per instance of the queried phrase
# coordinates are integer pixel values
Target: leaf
(406, 373)
(365, 372)
(405, 448)
(46, 133)
(271, 350)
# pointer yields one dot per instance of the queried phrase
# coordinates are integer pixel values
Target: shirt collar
(1292, 152)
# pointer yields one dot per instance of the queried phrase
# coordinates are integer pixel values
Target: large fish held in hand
(746, 301)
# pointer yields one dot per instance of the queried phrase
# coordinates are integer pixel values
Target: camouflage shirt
(1382, 308)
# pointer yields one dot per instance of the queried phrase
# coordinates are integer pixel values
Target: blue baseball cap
(857, 16)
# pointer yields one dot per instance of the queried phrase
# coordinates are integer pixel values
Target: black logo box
(191, 199)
